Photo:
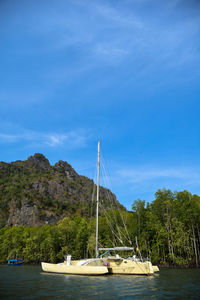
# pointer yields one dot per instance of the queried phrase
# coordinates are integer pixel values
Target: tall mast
(97, 209)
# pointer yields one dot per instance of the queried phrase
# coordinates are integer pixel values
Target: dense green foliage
(167, 231)
(169, 227)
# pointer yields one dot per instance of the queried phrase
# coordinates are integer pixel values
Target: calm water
(29, 282)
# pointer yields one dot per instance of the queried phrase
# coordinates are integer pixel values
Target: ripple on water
(28, 282)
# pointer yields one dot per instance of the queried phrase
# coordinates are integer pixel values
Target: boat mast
(97, 209)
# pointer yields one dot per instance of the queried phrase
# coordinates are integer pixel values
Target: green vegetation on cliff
(32, 192)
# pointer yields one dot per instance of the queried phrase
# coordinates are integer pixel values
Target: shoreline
(160, 266)
(168, 266)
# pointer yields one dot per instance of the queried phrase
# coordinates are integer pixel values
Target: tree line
(167, 231)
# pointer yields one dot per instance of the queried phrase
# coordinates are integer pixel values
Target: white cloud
(148, 174)
(54, 140)
(71, 139)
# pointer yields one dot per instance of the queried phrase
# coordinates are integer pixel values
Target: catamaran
(105, 263)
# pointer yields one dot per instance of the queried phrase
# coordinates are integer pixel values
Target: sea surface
(29, 282)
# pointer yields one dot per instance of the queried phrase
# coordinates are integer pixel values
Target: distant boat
(14, 262)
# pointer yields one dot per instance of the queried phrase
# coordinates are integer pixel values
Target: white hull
(155, 269)
(74, 269)
(129, 267)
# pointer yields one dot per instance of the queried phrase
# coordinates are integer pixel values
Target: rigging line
(129, 238)
(113, 215)
(120, 233)
(108, 222)
(110, 198)
(102, 246)
(111, 227)
(117, 206)
(109, 215)
(106, 177)
(92, 206)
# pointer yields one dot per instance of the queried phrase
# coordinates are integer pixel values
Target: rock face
(38, 161)
(32, 192)
(25, 215)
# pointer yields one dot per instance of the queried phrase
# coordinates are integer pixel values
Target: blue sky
(126, 73)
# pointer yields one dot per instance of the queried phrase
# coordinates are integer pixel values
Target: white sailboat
(102, 265)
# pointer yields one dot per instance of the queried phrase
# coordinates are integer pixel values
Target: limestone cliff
(32, 192)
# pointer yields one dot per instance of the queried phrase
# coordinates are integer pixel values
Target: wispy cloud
(71, 139)
(119, 17)
(109, 34)
(9, 138)
(146, 174)
(143, 38)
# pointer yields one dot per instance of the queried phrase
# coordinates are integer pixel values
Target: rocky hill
(32, 192)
